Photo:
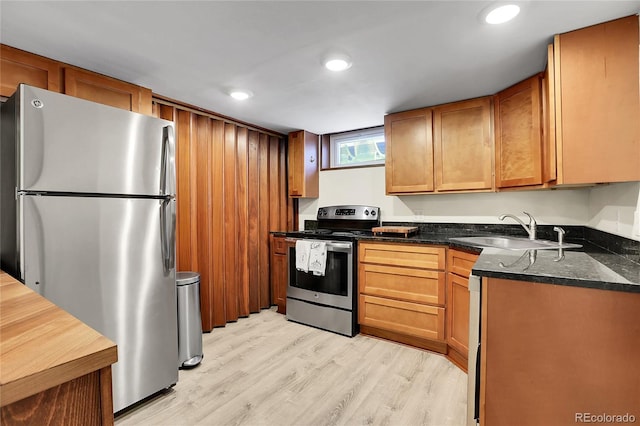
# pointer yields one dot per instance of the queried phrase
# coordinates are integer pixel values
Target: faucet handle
(531, 218)
(561, 233)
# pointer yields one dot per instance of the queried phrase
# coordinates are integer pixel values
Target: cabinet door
(279, 248)
(18, 66)
(458, 313)
(597, 103)
(549, 163)
(303, 165)
(106, 90)
(409, 152)
(279, 273)
(518, 132)
(463, 145)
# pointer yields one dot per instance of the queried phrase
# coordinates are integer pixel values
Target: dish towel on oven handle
(303, 249)
(318, 258)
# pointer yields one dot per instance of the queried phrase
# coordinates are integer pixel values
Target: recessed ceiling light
(240, 95)
(337, 62)
(502, 14)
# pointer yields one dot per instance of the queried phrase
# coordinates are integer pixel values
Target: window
(358, 148)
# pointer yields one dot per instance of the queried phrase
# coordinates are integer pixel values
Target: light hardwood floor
(265, 370)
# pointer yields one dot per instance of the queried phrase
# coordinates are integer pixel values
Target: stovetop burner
(345, 222)
(338, 233)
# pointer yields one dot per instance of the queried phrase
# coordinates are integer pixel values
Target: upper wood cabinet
(549, 148)
(106, 90)
(303, 165)
(441, 149)
(409, 152)
(463, 145)
(18, 66)
(518, 134)
(597, 107)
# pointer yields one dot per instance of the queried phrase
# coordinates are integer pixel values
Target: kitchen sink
(513, 243)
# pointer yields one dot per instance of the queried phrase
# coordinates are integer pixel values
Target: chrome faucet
(561, 233)
(531, 228)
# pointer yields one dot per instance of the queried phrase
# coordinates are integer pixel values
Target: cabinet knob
(312, 159)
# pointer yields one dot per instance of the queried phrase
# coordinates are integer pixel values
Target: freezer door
(103, 261)
(66, 144)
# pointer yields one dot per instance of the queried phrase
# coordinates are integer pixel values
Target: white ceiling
(405, 54)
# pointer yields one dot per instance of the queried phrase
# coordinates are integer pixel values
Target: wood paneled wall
(231, 192)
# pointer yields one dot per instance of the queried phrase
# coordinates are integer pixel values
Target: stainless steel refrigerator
(88, 222)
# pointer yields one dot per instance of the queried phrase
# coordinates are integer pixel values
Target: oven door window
(335, 279)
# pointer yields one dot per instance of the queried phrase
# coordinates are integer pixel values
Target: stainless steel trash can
(189, 321)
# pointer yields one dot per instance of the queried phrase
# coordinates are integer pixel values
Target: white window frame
(336, 139)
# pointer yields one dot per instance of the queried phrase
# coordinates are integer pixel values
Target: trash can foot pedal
(193, 362)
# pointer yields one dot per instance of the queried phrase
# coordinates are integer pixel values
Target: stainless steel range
(322, 272)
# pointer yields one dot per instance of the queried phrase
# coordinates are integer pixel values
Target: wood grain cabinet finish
(459, 265)
(231, 192)
(231, 184)
(18, 66)
(409, 152)
(106, 90)
(597, 104)
(401, 291)
(518, 134)
(55, 370)
(549, 352)
(463, 146)
(304, 165)
(279, 272)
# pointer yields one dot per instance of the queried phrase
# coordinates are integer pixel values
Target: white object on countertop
(318, 258)
(303, 249)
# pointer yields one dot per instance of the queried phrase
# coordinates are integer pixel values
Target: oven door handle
(331, 246)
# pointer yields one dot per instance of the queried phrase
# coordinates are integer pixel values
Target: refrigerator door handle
(168, 233)
(30, 241)
(168, 164)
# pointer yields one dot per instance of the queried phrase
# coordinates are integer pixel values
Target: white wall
(615, 209)
(611, 208)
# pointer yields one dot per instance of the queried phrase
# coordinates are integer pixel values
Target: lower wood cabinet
(556, 354)
(401, 291)
(416, 294)
(414, 319)
(86, 400)
(459, 264)
(279, 271)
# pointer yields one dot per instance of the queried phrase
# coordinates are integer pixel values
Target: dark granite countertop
(605, 261)
(590, 266)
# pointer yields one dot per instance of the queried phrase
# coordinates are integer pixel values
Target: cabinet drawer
(412, 255)
(461, 262)
(410, 284)
(408, 318)
(279, 245)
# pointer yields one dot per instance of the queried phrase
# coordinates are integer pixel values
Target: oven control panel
(349, 212)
